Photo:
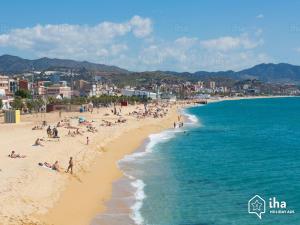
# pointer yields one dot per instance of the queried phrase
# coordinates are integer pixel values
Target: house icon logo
(257, 205)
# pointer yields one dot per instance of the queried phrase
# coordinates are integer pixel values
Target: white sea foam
(140, 195)
(192, 118)
(139, 184)
(153, 140)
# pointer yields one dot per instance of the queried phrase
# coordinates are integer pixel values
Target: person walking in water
(70, 167)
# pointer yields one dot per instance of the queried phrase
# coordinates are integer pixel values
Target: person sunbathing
(37, 128)
(78, 132)
(55, 166)
(38, 142)
(46, 164)
(13, 155)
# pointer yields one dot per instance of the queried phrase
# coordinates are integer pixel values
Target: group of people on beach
(55, 166)
(74, 133)
(52, 133)
(178, 125)
(154, 111)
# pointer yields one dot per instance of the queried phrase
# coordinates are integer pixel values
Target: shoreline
(79, 198)
(82, 200)
(141, 149)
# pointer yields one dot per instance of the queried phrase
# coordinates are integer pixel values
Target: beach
(33, 194)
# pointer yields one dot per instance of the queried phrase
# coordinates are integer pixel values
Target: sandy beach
(33, 194)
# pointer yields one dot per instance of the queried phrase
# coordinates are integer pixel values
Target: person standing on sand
(49, 131)
(70, 167)
(87, 140)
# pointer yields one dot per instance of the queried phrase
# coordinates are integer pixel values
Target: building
(4, 85)
(212, 85)
(13, 86)
(168, 97)
(132, 92)
(82, 87)
(59, 91)
(23, 85)
(40, 91)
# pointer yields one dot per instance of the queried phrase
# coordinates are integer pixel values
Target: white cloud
(142, 27)
(76, 41)
(229, 43)
(191, 54)
(132, 45)
(260, 16)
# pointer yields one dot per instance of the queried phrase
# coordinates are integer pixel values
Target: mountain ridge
(15, 64)
(266, 72)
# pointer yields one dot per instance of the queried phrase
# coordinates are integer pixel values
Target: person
(46, 164)
(55, 132)
(14, 155)
(87, 140)
(70, 167)
(174, 125)
(38, 142)
(55, 166)
(49, 132)
(78, 132)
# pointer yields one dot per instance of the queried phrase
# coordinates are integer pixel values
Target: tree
(1, 104)
(22, 93)
(17, 103)
(38, 104)
(35, 104)
(29, 105)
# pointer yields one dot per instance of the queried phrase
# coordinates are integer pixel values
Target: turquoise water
(206, 174)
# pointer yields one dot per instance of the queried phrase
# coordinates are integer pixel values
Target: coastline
(79, 198)
(82, 200)
(116, 207)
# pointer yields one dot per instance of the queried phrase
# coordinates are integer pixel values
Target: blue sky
(151, 35)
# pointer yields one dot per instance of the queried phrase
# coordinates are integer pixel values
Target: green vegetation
(1, 104)
(27, 104)
(18, 103)
(35, 104)
(103, 100)
(23, 94)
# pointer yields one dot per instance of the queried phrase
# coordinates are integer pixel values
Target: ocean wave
(191, 119)
(140, 195)
(138, 184)
(154, 139)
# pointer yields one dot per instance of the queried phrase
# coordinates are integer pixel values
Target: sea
(232, 163)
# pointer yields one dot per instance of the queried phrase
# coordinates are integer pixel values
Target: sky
(144, 35)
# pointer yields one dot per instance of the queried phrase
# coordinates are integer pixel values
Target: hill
(15, 64)
(272, 73)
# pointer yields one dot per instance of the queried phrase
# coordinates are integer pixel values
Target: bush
(22, 94)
